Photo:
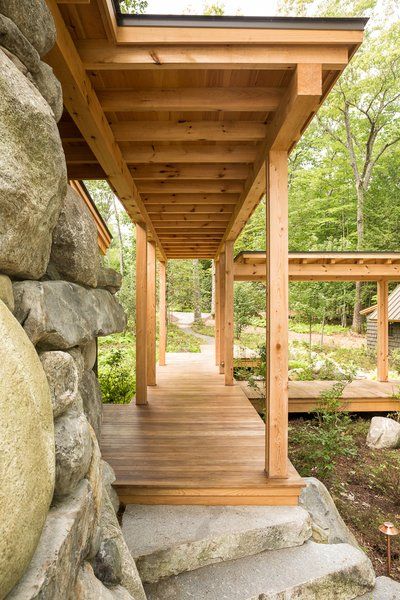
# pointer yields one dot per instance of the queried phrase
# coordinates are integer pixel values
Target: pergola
(381, 267)
(191, 120)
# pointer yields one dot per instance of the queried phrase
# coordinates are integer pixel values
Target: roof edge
(239, 22)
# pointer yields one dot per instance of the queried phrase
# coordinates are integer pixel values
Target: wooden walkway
(361, 395)
(196, 442)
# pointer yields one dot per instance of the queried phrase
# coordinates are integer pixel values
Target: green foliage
(216, 9)
(385, 476)
(133, 7)
(319, 443)
(201, 327)
(249, 300)
(116, 378)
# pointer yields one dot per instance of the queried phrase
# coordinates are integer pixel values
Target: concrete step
(168, 540)
(385, 589)
(309, 572)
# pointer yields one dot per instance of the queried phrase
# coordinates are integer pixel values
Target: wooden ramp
(196, 442)
(361, 395)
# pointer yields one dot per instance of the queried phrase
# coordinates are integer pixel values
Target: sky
(232, 7)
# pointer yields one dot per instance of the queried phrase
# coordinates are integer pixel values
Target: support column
(229, 313)
(222, 311)
(217, 312)
(276, 462)
(162, 312)
(141, 314)
(151, 314)
(383, 331)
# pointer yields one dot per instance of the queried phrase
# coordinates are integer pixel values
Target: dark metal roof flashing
(237, 22)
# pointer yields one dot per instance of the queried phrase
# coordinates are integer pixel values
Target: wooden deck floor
(196, 442)
(361, 395)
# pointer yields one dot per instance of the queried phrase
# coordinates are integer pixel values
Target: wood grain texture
(229, 335)
(141, 315)
(151, 314)
(196, 442)
(162, 313)
(383, 331)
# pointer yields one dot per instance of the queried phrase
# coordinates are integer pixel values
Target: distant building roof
(394, 308)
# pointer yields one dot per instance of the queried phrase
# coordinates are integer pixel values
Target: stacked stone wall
(59, 535)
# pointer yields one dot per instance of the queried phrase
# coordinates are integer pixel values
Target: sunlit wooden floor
(196, 442)
(360, 395)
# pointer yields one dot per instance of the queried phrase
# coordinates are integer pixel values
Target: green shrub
(180, 341)
(116, 379)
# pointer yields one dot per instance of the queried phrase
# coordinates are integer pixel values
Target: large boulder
(50, 88)
(26, 450)
(109, 279)
(114, 560)
(383, 433)
(90, 392)
(34, 20)
(108, 479)
(64, 543)
(75, 252)
(6, 292)
(88, 587)
(61, 315)
(73, 451)
(17, 47)
(62, 375)
(32, 175)
(327, 525)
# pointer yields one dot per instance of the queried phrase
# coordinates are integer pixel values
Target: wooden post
(383, 331)
(141, 314)
(151, 314)
(217, 311)
(276, 463)
(162, 312)
(222, 312)
(229, 313)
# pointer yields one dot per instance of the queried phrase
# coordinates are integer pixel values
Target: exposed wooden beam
(250, 99)
(190, 187)
(299, 103)
(151, 314)
(195, 224)
(190, 209)
(196, 152)
(309, 271)
(190, 199)
(277, 314)
(141, 315)
(177, 171)
(162, 313)
(383, 331)
(189, 153)
(188, 131)
(100, 54)
(229, 337)
(82, 103)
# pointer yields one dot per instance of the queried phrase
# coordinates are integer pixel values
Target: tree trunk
(121, 246)
(196, 291)
(357, 322)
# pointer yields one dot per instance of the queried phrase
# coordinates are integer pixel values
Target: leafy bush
(180, 341)
(116, 379)
(319, 442)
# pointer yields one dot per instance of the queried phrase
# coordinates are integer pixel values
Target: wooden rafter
(82, 103)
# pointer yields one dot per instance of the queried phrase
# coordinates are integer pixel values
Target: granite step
(308, 572)
(385, 589)
(168, 540)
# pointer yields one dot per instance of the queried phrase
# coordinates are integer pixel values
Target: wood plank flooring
(196, 442)
(361, 395)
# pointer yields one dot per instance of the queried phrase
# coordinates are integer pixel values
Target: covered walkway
(197, 441)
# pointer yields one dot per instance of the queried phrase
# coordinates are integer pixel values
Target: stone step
(168, 540)
(309, 572)
(385, 589)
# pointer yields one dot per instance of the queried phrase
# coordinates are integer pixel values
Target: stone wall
(59, 535)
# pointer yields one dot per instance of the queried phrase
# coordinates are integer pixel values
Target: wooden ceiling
(179, 120)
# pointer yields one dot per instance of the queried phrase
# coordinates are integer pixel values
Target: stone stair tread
(310, 572)
(168, 540)
(385, 589)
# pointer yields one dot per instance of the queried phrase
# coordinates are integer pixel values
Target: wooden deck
(361, 395)
(196, 442)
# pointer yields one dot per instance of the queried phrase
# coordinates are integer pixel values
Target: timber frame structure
(191, 120)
